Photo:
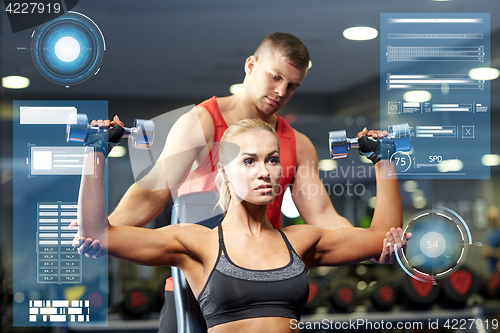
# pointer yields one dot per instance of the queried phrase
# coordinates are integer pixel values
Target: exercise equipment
(491, 287)
(344, 295)
(318, 290)
(398, 134)
(138, 303)
(192, 208)
(383, 295)
(142, 134)
(418, 294)
(459, 287)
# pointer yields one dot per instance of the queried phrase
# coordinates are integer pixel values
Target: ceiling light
(360, 33)
(450, 165)
(490, 160)
(235, 88)
(417, 96)
(419, 202)
(410, 186)
(445, 88)
(417, 194)
(371, 202)
(484, 73)
(288, 207)
(327, 165)
(310, 64)
(118, 151)
(15, 82)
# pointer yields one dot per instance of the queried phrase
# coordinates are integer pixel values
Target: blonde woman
(247, 275)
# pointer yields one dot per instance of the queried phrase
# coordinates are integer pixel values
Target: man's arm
(146, 203)
(309, 193)
(146, 199)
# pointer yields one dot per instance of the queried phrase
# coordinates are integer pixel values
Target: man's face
(272, 80)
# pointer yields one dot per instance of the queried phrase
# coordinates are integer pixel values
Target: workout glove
(105, 139)
(375, 150)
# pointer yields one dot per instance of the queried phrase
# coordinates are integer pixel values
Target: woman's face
(255, 173)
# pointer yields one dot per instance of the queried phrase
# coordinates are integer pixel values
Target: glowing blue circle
(432, 244)
(68, 31)
(67, 49)
(438, 246)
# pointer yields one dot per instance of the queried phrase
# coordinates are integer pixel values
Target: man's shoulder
(205, 120)
(304, 145)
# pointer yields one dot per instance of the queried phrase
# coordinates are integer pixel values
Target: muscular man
(272, 75)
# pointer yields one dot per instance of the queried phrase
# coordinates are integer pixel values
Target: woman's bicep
(347, 246)
(151, 247)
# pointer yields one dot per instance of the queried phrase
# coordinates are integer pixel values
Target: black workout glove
(104, 140)
(375, 150)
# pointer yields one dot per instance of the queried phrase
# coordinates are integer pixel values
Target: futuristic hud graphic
(69, 49)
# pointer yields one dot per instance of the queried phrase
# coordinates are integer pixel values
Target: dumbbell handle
(352, 143)
(142, 134)
(128, 131)
(340, 144)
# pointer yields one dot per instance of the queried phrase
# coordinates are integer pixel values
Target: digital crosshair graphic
(438, 247)
(68, 49)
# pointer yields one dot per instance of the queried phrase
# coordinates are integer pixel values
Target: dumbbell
(398, 134)
(142, 134)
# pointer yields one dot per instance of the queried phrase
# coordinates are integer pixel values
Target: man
(272, 75)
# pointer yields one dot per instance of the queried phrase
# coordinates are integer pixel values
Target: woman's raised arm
(350, 245)
(165, 246)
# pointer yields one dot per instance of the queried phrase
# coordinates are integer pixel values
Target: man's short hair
(289, 46)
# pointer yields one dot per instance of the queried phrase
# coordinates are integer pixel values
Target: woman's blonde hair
(227, 153)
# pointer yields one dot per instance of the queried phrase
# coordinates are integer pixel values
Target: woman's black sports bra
(235, 293)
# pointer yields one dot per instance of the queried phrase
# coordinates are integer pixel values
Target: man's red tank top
(203, 177)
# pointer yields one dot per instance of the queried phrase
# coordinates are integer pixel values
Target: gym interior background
(161, 56)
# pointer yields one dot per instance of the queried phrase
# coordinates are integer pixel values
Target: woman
(247, 276)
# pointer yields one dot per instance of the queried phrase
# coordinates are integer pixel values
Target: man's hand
(89, 247)
(394, 236)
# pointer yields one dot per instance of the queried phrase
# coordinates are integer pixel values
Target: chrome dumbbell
(142, 134)
(398, 134)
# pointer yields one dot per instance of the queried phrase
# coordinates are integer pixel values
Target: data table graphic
(425, 65)
(53, 285)
(58, 260)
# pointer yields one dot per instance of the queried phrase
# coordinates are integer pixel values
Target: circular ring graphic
(439, 244)
(69, 49)
(402, 160)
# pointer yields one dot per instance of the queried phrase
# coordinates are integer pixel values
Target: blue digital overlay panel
(426, 81)
(53, 284)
